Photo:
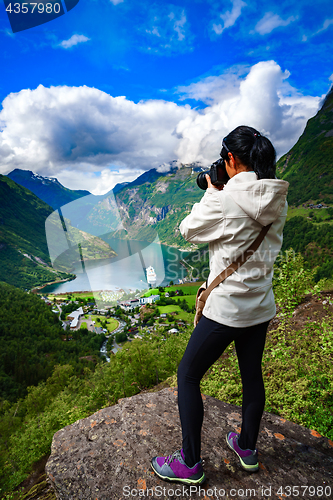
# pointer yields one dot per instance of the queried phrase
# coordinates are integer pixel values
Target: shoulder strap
(237, 263)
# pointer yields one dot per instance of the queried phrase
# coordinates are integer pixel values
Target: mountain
(158, 205)
(24, 251)
(47, 189)
(308, 166)
(152, 204)
(119, 186)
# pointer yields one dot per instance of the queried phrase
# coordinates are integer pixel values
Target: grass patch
(72, 296)
(190, 299)
(187, 288)
(151, 291)
(112, 324)
(169, 309)
(320, 214)
(183, 315)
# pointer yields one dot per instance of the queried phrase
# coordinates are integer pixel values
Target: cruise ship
(151, 275)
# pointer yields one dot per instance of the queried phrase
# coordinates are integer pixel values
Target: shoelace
(175, 455)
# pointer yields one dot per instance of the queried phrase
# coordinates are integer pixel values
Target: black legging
(208, 341)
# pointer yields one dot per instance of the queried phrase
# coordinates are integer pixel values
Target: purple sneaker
(248, 458)
(174, 468)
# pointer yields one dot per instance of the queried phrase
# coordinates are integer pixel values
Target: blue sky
(113, 88)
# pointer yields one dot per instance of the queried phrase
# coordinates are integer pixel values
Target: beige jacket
(230, 220)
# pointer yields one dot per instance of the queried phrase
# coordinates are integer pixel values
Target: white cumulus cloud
(270, 21)
(82, 129)
(229, 17)
(97, 182)
(262, 99)
(91, 140)
(73, 40)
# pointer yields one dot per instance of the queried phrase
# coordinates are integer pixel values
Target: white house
(74, 317)
(149, 300)
(173, 330)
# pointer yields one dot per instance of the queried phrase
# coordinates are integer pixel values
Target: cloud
(262, 99)
(116, 2)
(167, 31)
(83, 130)
(91, 140)
(73, 40)
(179, 24)
(271, 21)
(97, 182)
(331, 77)
(215, 88)
(326, 25)
(230, 17)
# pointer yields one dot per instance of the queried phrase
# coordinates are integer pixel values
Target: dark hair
(253, 149)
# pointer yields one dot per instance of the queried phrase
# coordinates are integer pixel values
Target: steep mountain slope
(308, 166)
(24, 253)
(23, 248)
(47, 189)
(155, 203)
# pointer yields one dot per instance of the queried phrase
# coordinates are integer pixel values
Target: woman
(240, 308)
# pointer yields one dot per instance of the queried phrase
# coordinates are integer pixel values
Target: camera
(217, 173)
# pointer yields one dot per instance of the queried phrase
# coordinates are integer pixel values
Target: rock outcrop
(107, 456)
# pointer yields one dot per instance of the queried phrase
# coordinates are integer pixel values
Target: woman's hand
(210, 185)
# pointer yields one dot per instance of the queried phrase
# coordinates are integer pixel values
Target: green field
(187, 288)
(320, 213)
(169, 309)
(73, 296)
(111, 325)
(183, 315)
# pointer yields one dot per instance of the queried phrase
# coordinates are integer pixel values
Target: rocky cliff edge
(107, 456)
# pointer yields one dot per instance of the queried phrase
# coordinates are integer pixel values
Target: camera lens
(202, 181)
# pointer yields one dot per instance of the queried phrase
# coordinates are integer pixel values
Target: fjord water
(127, 270)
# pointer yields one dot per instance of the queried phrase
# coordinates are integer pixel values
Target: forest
(33, 342)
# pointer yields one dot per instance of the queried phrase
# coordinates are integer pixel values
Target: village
(163, 310)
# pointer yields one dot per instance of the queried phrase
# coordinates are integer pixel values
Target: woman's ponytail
(263, 158)
(254, 150)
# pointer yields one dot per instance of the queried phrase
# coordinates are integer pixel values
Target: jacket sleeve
(205, 223)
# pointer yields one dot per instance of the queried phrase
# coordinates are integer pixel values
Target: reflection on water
(127, 270)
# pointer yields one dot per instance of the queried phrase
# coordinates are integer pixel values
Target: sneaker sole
(179, 480)
(248, 468)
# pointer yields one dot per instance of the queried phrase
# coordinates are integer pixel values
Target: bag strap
(237, 263)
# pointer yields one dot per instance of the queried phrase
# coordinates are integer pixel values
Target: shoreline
(87, 291)
(36, 288)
